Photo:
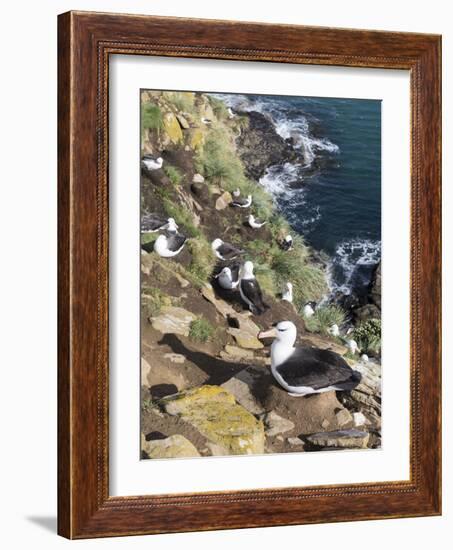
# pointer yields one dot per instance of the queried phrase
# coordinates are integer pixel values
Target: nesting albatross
(250, 290)
(153, 222)
(241, 202)
(169, 244)
(304, 370)
(228, 278)
(225, 251)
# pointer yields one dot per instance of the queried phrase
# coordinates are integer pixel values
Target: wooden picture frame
(85, 41)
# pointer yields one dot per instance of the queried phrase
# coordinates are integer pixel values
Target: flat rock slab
(241, 386)
(244, 339)
(340, 439)
(214, 412)
(173, 320)
(276, 425)
(175, 446)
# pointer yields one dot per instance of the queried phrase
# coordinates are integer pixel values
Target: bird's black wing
(228, 251)
(235, 272)
(175, 241)
(252, 290)
(152, 222)
(316, 368)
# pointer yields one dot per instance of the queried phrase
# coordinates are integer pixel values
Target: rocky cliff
(206, 383)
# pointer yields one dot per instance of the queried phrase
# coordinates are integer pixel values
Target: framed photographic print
(249, 275)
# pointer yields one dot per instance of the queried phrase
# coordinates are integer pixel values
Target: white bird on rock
(352, 346)
(309, 309)
(306, 370)
(255, 223)
(334, 330)
(152, 163)
(288, 293)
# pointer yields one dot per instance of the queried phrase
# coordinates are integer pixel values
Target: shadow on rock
(218, 370)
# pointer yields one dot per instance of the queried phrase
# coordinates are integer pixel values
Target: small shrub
(151, 117)
(368, 336)
(324, 318)
(173, 174)
(201, 330)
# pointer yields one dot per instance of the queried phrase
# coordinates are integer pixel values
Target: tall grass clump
(203, 259)
(201, 330)
(182, 216)
(183, 101)
(368, 336)
(152, 118)
(308, 280)
(219, 108)
(173, 174)
(324, 317)
(218, 161)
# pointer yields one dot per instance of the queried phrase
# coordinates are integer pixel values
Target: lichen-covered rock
(198, 178)
(195, 138)
(341, 439)
(172, 128)
(175, 446)
(173, 320)
(214, 412)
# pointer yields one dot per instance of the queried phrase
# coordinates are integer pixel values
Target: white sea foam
(296, 128)
(349, 256)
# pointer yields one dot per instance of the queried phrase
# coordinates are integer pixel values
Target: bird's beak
(271, 333)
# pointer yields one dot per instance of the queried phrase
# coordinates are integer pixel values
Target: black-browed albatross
(250, 290)
(225, 251)
(304, 370)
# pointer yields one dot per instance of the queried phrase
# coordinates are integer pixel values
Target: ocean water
(333, 195)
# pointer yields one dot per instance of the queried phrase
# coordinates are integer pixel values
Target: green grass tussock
(218, 161)
(203, 259)
(152, 118)
(173, 174)
(219, 108)
(201, 330)
(324, 318)
(153, 301)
